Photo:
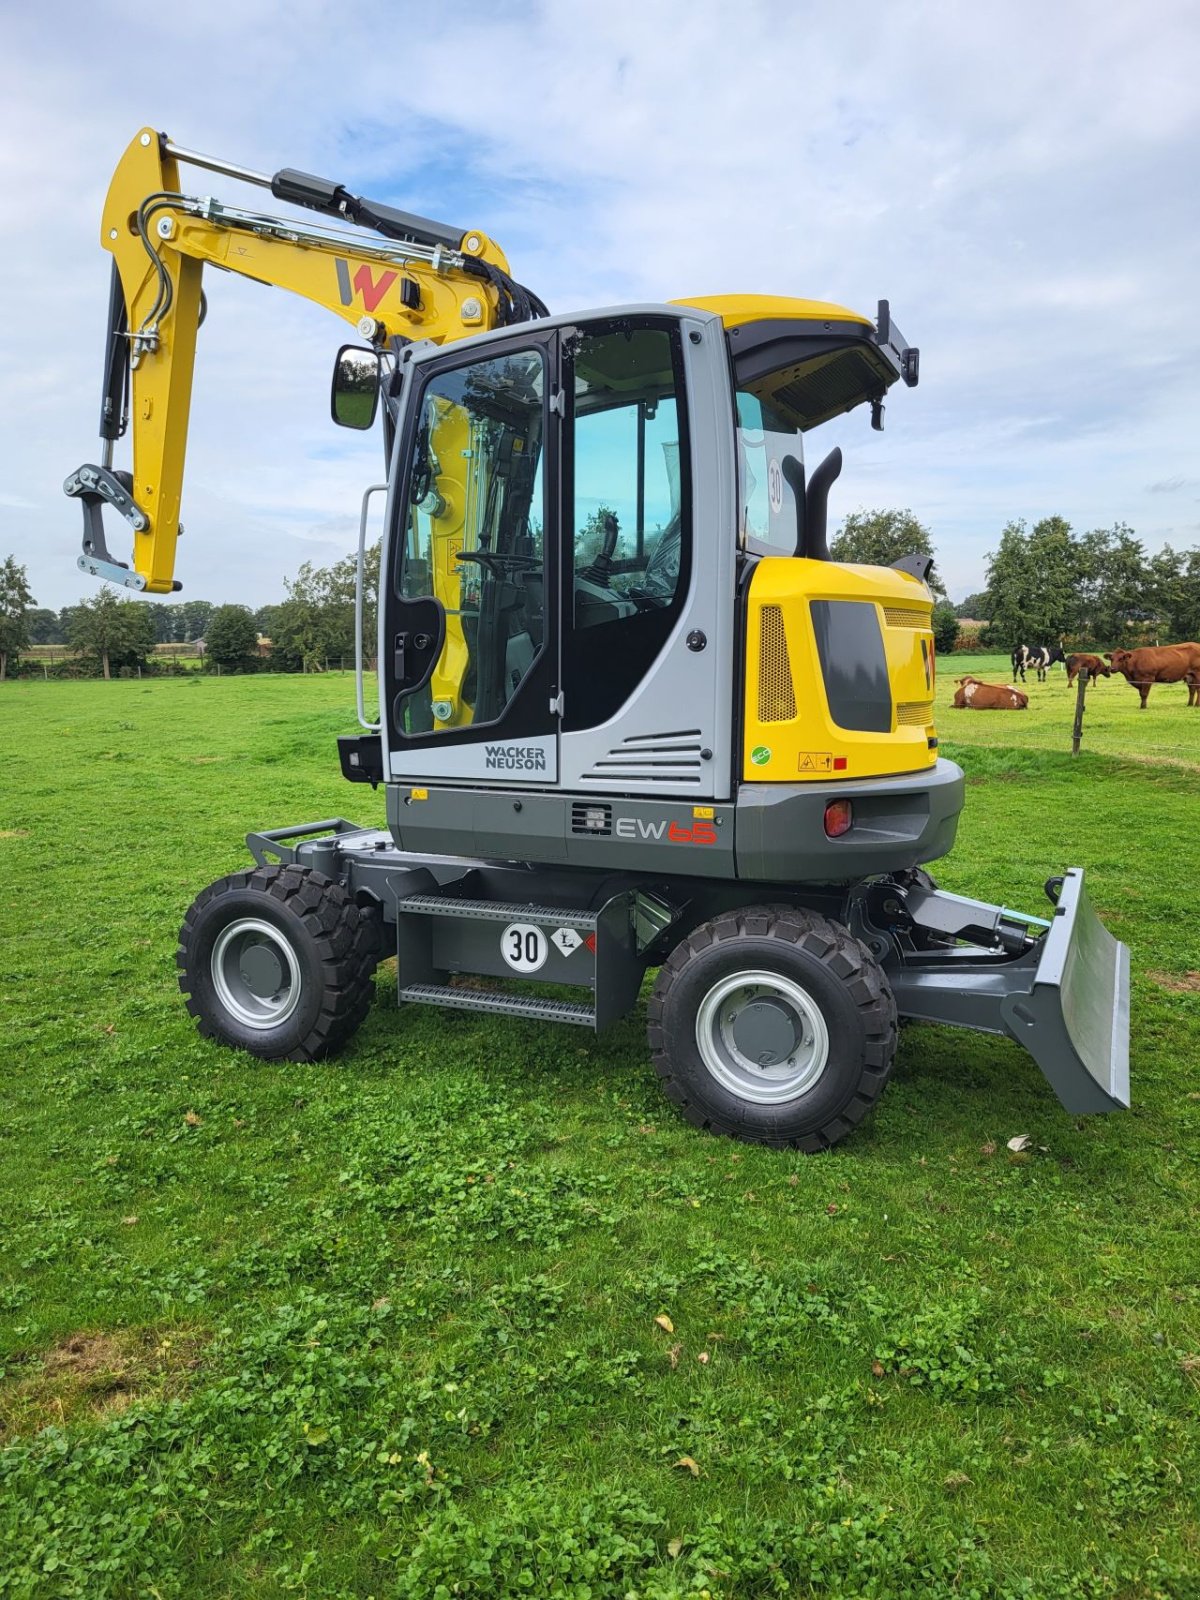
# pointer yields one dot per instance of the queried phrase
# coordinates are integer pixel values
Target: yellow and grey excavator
(630, 714)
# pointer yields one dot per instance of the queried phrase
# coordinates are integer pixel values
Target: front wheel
(278, 962)
(773, 1025)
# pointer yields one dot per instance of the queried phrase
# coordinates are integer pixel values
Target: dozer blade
(1065, 997)
(1075, 1020)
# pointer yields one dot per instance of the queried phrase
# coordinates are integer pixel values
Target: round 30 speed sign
(524, 947)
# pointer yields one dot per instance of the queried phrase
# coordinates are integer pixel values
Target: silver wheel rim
(762, 1036)
(255, 973)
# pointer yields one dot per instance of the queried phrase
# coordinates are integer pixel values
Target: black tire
(287, 922)
(813, 969)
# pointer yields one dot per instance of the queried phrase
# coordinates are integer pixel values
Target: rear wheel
(773, 1025)
(278, 962)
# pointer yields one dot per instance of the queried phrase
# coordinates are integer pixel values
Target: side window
(627, 522)
(630, 536)
(474, 537)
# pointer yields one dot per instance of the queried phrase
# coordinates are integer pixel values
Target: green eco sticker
(760, 755)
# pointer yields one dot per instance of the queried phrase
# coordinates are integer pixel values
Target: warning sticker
(775, 486)
(567, 940)
(815, 761)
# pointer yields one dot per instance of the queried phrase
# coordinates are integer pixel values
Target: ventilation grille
(914, 713)
(651, 758)
(905, 617)
(776, 696)
(591, 818)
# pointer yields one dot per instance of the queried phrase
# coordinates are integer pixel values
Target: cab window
(474, 537)
(768, 506)
(630, 537)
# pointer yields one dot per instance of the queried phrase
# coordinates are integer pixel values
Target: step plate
(437, 905)
(509, 1005)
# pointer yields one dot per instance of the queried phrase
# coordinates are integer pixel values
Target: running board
(452, 998)
(445, 905)
(443, 936)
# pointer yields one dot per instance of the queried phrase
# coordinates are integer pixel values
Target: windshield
(768, 506)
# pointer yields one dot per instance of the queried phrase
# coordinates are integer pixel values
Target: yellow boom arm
(419, 280)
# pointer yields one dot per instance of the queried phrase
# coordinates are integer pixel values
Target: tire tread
(346, 935)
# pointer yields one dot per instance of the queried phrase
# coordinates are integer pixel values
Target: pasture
(470, 1312)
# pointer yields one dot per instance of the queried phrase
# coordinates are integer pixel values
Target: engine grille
(776, 694)
(914, 713)
(905, 617)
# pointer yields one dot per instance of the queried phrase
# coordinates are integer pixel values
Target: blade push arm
(414, 281)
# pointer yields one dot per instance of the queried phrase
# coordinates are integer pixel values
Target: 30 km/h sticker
(523, 947)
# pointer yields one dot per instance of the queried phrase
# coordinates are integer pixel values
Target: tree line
(1044, 583)
(1092, 589)
(310, 630)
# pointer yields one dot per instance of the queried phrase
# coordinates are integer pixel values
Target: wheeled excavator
(631, 717)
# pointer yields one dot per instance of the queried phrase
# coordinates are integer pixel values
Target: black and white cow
(1037, 656)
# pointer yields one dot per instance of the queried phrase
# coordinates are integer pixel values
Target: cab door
(470, 633)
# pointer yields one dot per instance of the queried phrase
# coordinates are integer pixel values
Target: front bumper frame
(1064, 996)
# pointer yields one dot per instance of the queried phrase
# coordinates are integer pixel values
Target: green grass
(386, 1325)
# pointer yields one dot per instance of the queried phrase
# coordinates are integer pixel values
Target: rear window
(768, 506)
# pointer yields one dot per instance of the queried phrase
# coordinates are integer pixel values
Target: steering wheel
(501, 561)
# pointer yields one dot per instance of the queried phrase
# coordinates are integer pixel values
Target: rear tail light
(839, 818)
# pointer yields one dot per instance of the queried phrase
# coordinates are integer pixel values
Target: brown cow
(1093, 665)
(1168, 663)
(974, 695)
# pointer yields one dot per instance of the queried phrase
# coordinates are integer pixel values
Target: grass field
(470, 1312)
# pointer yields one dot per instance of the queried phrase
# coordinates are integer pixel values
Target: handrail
(375, 488)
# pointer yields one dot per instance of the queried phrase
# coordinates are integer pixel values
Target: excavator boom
(418, 279)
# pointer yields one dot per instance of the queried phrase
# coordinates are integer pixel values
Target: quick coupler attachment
(94, 487)
(1060, 987)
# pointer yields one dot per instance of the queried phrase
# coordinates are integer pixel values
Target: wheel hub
(255, 973)
(762, 1036)
(261, 970)
(764, 1030)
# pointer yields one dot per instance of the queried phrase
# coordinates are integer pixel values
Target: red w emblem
(364, 284)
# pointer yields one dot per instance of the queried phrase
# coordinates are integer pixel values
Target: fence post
(1077, 734)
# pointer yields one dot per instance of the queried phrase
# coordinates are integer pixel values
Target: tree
(266, 620)
(975, 608)
(196, 616)
(170, 626)
(315, 624)
(112, 632)
(945, 627)
(1035, 581)
(1114, 582)
(880, 538)
(15, 603)
(232, 639)
(1172, 591)
(44, 627)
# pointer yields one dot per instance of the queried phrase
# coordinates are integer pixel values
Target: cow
(1168, 663)
(1038, 656)
(974, 695)
(1092, 665)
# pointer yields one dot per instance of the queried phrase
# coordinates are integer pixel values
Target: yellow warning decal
(419, 794)
(705, 812)
(815, 761)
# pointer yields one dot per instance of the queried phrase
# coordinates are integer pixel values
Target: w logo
(372, 290)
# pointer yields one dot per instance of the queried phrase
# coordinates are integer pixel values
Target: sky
(1019, 180)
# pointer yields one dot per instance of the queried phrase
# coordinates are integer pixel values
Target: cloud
(1167, 485)
(1010, 178)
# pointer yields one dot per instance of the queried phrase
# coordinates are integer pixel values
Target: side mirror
(354, 396)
